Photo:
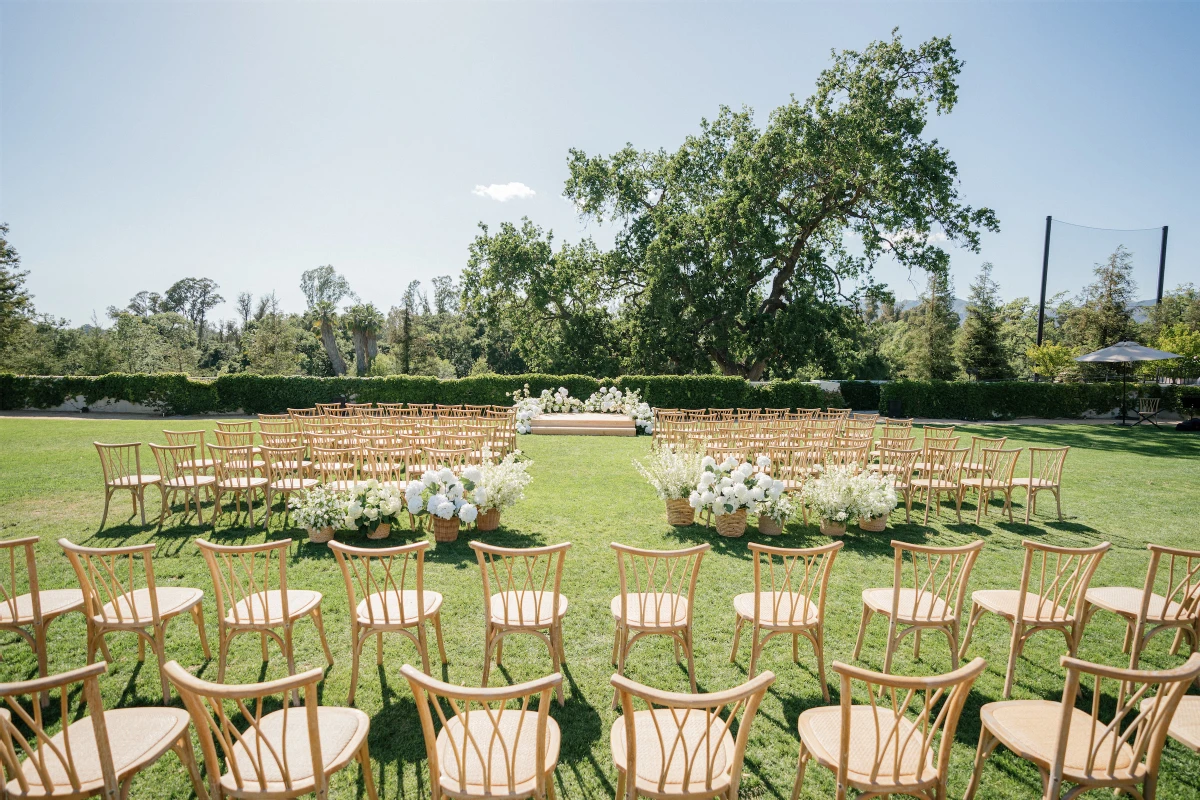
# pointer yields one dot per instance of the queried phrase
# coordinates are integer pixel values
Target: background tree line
(747, 251)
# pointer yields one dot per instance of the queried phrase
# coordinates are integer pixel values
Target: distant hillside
(1141, 308)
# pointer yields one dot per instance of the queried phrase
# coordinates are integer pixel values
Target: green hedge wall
(1011, 399)
(861, 395)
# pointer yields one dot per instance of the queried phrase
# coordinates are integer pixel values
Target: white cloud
(504, 191)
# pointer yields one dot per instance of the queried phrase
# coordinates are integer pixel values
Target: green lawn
(1129, 487)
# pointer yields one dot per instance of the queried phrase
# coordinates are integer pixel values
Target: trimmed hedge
(1011, 399)
(861, 395)
(265, 394)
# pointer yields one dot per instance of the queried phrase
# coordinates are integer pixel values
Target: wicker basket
(321, 536)
(877, 525)
(445, 530)
(768, 526)
(732, 525)
(831, 528)
(680, 513)
(382, 531)
(488, 520)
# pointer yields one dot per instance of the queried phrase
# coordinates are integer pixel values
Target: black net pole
(1162, 265)
(1045, 269)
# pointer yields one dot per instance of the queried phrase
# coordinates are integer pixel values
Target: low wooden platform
(583, 425)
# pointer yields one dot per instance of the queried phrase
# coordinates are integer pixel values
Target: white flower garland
(606, 400)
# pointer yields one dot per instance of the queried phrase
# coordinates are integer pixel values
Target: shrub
(861, 395)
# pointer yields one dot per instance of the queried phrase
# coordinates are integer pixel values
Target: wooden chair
(179, 472)
(900, 465)
(1045, 474)
(973, 463)
(383, 577)
(1053, 593)
(883, 748)
(456, 458)
(936, 432)
(682, 745)
(933, 601)
(253, 597)
(1117, 749)
(287, 472)
(203, 463)
(337, 466)
(82, 759)
(1147, 410)
(995, 474)
(235, 426)
(791, 600)
(484, 747)
(1147, 613)
(273, 754)
(34, 609)
(121, 465)
(522, 594)
(235, 475)
(658, 590)
(1185, 723)
(940, 474)
(114, 603)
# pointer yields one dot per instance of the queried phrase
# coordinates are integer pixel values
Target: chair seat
(242, 484)
(1037, 482)
(517, 731)
(927, 607)
(342, 731)
(292, 465)
(53, 602)
(934, 484)
(1004, 603)
(1127, 601)
(1185, 725)
(135, 480)
(777, 609)
(198, 463)
(701, 735)
(526, 608)
(1029, 728)
(266, 608)
(137, 737)
(652, 610)
(396, 608)
(134, 608)
(189, 481)
(293, 484)
(821, 733)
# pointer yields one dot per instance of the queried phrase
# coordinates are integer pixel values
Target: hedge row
(1012, 399)
(261, 394)
(861, 395)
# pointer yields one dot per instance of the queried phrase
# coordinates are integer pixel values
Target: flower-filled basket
(832, 498)
(729, 491)
(875, 498)
(442, 496)
(498, 485)
(375, 506)
(674, 473)
(319, 509)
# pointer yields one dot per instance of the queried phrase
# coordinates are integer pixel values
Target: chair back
(897, 442)
(336, 464)
(688, 735)
(257, 759)
(25, 729)
(108, 577)
(282, 439)
(20, 577)
(284, 463)
(657, 582)
(176, 462)
(792, 581)
(303, 412)
(242, 575)
(846, 457)
(286, 425)
(490, 739)
(1126, 738)
(453, 457)
(942, 463)
(527, 580)
(1046, 464)
(396, 573)
(981, 443)
(909, 713)
(999, 465)
(898, 463)
(234, 438)
(234, 466)
(187, 437)
(386, 464)
(1148, 405)
(235, 426)
(937, 578)
(1177, 573)
(1059, 576)
(937, 431)
(119, 461)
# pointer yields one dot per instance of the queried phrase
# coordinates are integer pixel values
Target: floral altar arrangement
(730, 490)
(499, 486)
(833, 497)
(376, 506)
(875, 498)
(674, 473)
(606, 400)
(320, 509)
(442, 496)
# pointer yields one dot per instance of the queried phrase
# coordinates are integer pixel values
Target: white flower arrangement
(674, 472)
(729, 487)
(777, 505)
(874, 495)
(832, 496)
(500, 484)
(606, 400)
(371, 504)
(319, 507)
(443, 494)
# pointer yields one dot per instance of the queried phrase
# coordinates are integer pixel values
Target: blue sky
(247, 142)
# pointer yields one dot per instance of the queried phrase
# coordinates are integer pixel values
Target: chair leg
(222, 652)
(755, 651)
(108, 493)
(183, 748)
(819, 651)
(356, 644)
(1030, 494)
(691, 665)
(1058, 502)
(891, 646)
(862, 630)
(162, 510)
(364, 762)
(39, 647)
(159, 643)
(198, 616)
(437, 632)
(737, 637)
(987, 743)
(488, 644)
(803, 760)
(1014, 649)
(976, 613)
(316, 613)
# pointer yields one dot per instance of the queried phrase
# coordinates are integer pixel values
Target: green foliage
(15, 302)
(980, 346)
(932, 325)
(861, 395)
(1050, 360)
(1102, 315)
(1014, 399)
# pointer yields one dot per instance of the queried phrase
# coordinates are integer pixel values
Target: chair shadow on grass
(1143, 440)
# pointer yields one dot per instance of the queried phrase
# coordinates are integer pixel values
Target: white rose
(707, 480)
(740, 491)
(455, 492)
(694, 500)
(757, 494)
(729, 464)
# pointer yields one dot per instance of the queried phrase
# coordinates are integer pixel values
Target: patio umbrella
(1125, 353)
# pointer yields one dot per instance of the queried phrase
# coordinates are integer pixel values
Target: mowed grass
(1128, 487)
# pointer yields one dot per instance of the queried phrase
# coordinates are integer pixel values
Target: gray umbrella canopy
(1124, 353)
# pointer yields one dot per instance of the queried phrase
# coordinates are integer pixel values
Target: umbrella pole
(1124, 393)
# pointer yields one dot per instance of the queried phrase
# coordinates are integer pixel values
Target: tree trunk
(405, 343)
(331, 348)
(361, 362)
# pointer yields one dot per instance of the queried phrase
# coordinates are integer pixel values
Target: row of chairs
(880, 748)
